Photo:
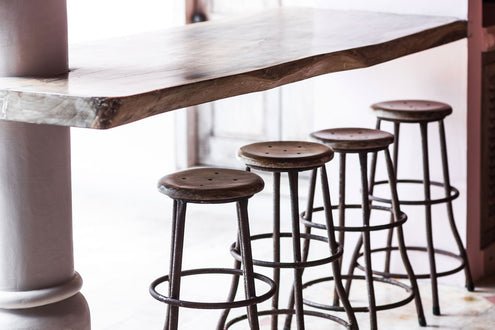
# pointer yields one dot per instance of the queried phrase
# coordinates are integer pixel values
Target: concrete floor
(122, 230)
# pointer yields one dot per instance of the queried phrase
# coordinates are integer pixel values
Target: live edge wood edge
(108, 112)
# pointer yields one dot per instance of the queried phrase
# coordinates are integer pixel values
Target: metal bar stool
(423, 112)
(210, 186)
(362, 141)
(293, 157)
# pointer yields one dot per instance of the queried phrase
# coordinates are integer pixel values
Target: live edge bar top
(121, 80)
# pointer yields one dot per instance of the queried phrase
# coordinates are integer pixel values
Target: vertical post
(33, 38)
(473, 182)
(38, 286)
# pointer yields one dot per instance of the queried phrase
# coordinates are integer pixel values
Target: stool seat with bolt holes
(211, 186)
(423, 112)
(362, 141)
(292, 157)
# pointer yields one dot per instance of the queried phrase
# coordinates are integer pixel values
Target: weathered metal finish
(398, 112)
(450, 211)
(192, 191)
(275, 161)
(363, 145)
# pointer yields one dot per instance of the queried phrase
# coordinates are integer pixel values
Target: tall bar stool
(210, 186)
(423, 112)
(363, 141)
(292, 157)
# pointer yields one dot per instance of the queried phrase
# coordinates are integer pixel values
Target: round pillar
(39, 288)
(33, 37)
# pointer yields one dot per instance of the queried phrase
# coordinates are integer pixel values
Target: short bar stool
(423, 112)
(292, 157)
(210, 186)
(363, 141)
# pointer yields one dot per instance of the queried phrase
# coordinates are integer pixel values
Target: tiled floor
(122, 241)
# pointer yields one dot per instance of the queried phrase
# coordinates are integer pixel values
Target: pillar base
(68, 314)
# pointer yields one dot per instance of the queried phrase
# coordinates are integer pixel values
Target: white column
(33, 37)
(39, 288)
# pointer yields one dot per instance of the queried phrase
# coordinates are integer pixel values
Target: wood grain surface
(121, 80)
(285, 155)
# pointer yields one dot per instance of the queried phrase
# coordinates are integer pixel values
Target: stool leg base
(450, 211)
(247, 261)
(400, 238)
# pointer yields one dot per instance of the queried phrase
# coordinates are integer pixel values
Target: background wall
(457, 8)
(134, 155)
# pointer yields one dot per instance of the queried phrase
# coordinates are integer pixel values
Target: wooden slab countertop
(117, 81)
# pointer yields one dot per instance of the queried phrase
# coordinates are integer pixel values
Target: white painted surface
(36, 254)
(456, 8)
(112, 18)
(69, 314)
(33, 37)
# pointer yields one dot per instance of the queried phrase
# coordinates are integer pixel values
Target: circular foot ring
(360, 309)
(312, 224)
(302, 264)
(454, 193)
(289, 312)
(213, 305)
(419, 276)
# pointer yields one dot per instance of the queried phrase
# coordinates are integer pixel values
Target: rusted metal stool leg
(339, 288)
(429, 229)
(247, 261)
(363, 160)
(395, 164)
(309, 212)
(400, 239)
(307, 231)
(172, 240)
(178, 227)
(374, 157)
(353, 264)
(359, 244)
(232, 292)
(450, 212)
(296, 246)
(276, 245)
(342, 161)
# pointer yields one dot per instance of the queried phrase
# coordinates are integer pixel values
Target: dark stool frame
(296, 302)
(175, 274)
(397, 219)
(451, 193)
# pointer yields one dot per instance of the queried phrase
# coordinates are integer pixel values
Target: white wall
(144, 149)
(457, 8)
(100, 19)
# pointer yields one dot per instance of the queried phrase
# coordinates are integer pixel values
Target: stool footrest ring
(289, 312)
(454, 193)
(421, 249)
(303, 264)
(213, 305)
(401, 221)
(360, 308)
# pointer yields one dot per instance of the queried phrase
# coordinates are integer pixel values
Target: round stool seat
(354, 139)
(411, 110)
(210, 184)
(285, 155)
